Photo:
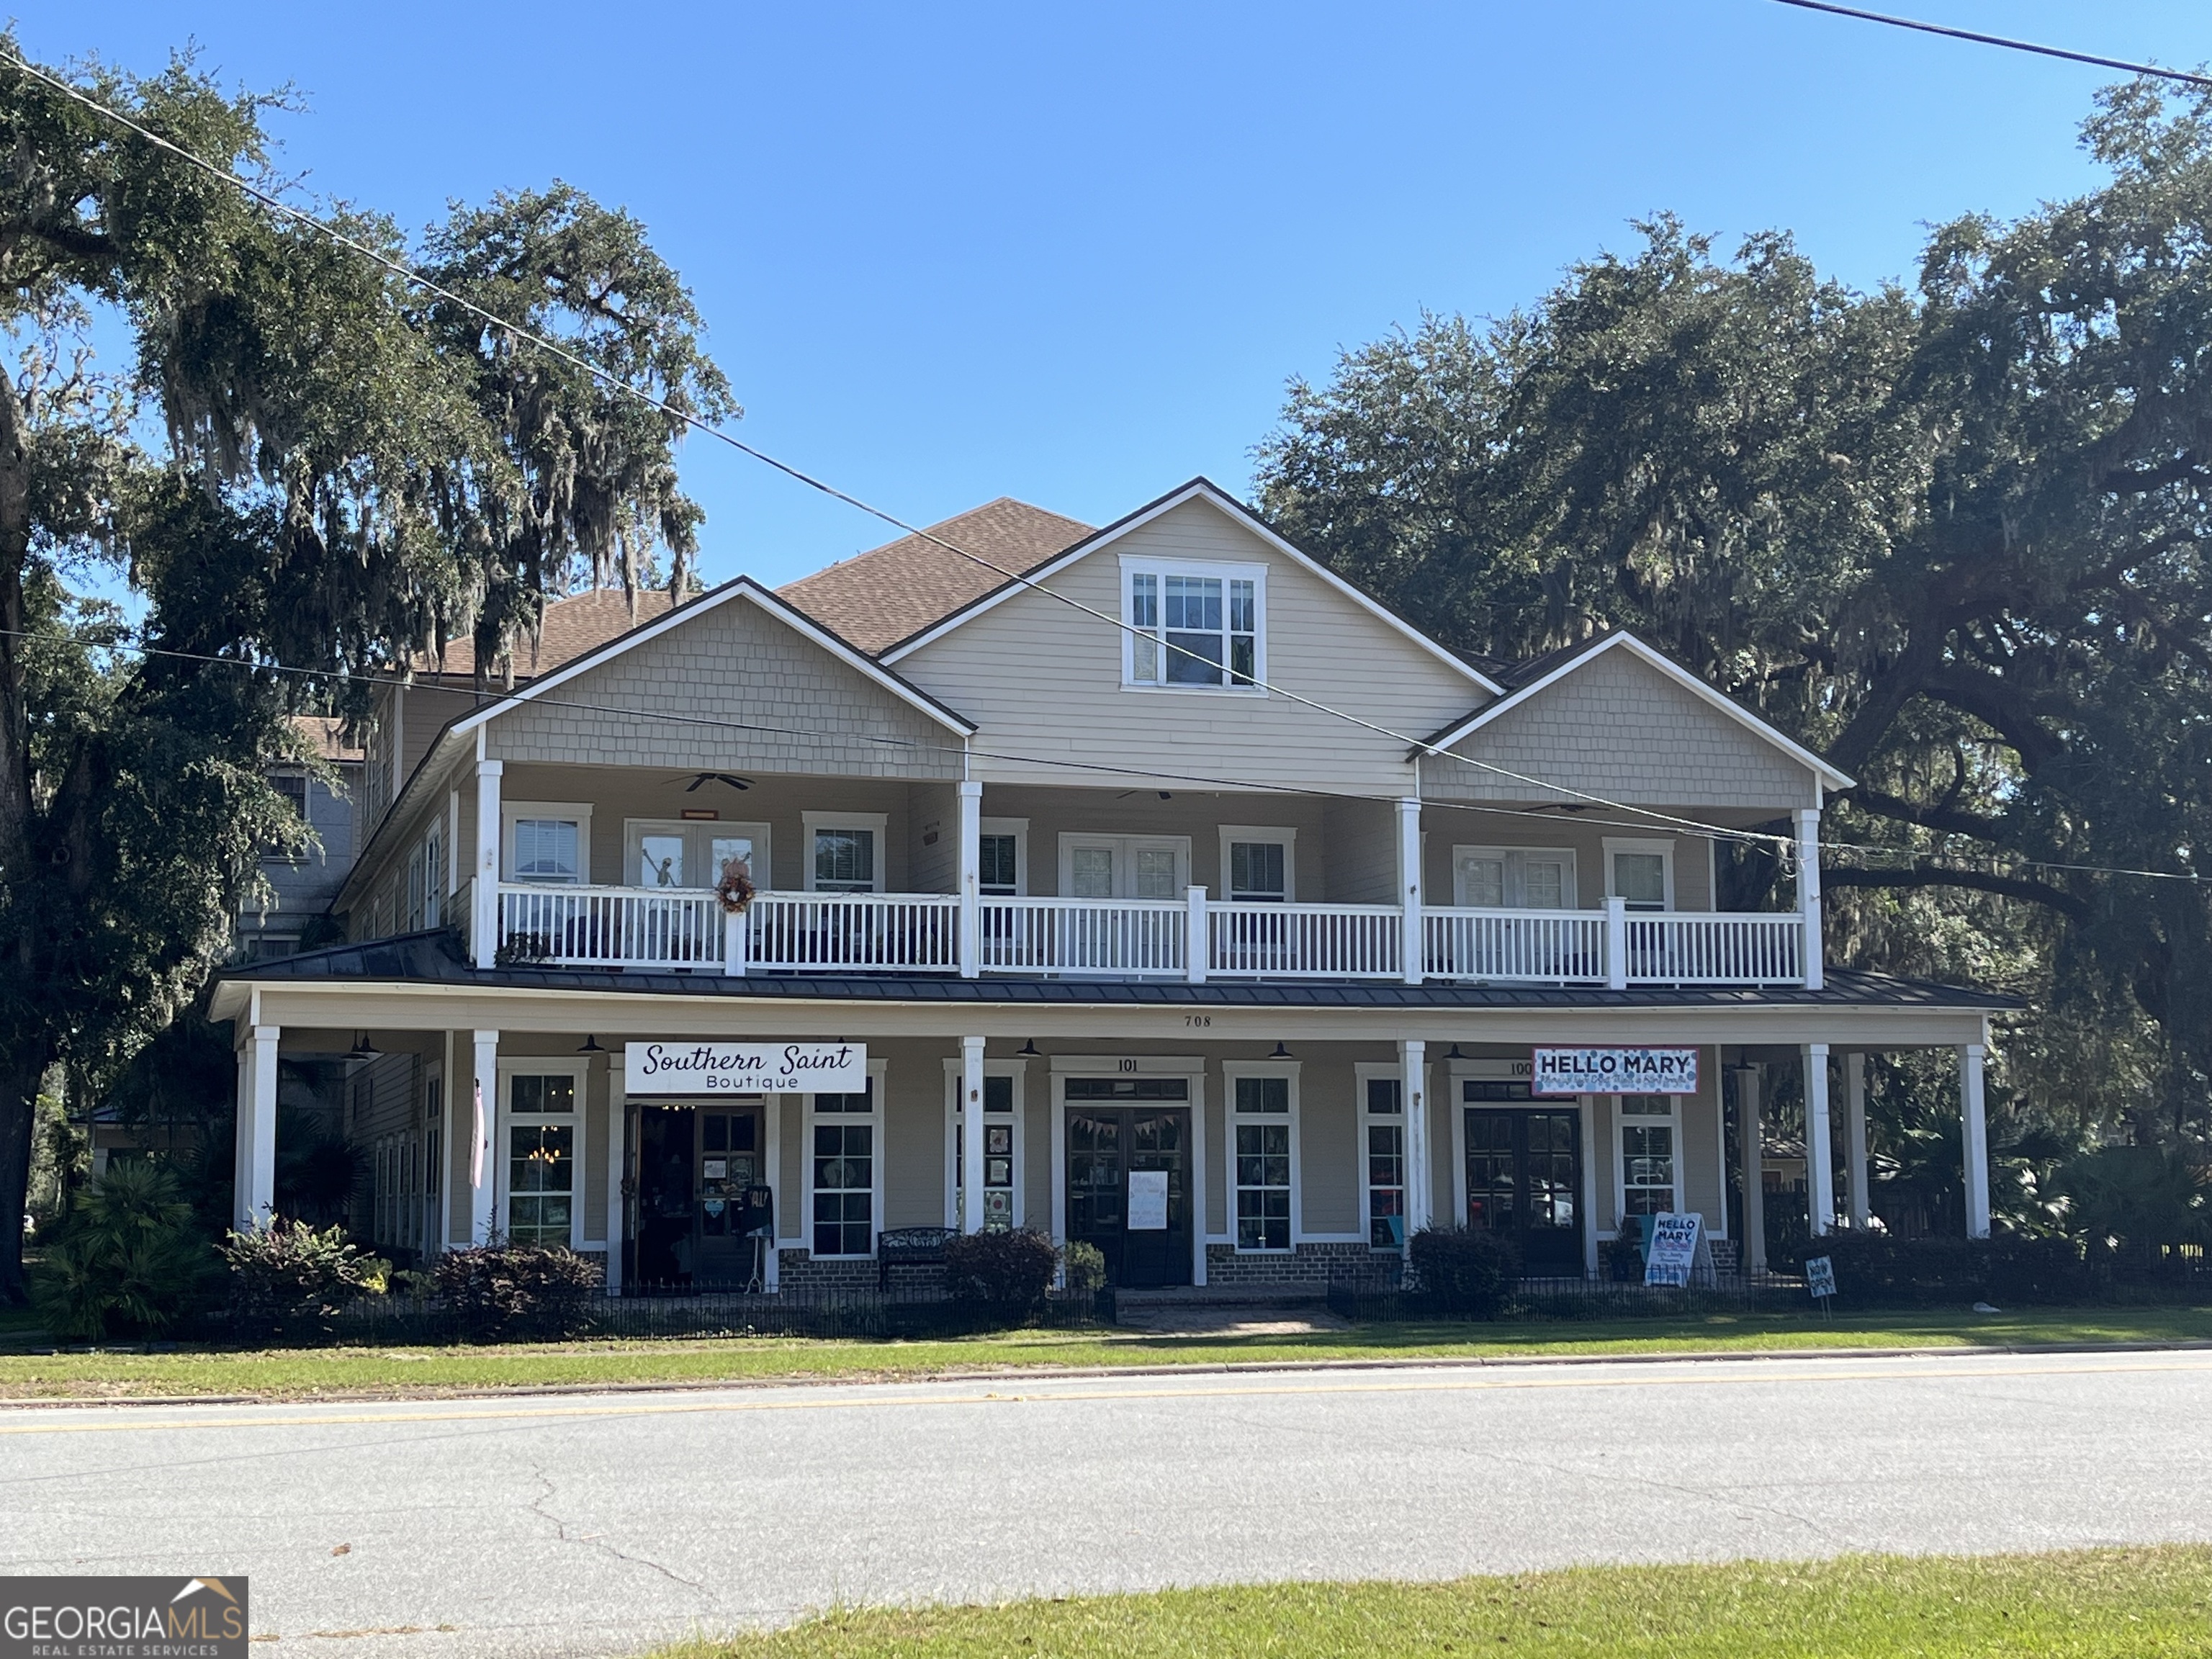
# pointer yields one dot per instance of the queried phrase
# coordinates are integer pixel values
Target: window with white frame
(1382, 1153)
(690, 853)
(841, 1173)
(1514, 878)
(1258, 866)
(1265, 1131)
(1193, 627)
(1642, 872)
(1003, 858)
(541, 1156)
(433, 875)
(1124, 866)
(1002, 1147)
(845, 852)
(1650, 1154)
(548, 840)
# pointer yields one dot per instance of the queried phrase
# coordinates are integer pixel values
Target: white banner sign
(1677, 1249)
(1148, 1200)
(1615, 1072)
(744, 1068)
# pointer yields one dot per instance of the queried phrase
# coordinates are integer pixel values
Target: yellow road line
(72, 1420)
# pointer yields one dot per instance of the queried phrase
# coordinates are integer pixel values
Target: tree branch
(2035, 892)
(1942, 817)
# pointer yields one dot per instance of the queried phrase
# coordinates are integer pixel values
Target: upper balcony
(859, 876)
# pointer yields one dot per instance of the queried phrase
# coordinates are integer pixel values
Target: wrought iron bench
(910, 1247)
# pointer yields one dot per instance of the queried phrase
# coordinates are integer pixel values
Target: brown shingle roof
(875, 599)
(326, 735)
(580, 622)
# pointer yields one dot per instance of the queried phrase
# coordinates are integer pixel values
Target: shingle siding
(1618, 728)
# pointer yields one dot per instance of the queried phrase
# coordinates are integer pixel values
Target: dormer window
(1193, 627)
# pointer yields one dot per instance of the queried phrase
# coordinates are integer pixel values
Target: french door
(1524, 1178)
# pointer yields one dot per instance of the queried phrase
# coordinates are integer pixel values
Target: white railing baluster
(1568, 947)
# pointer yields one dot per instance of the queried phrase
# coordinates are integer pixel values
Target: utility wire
(407, 274)
(1981, 40)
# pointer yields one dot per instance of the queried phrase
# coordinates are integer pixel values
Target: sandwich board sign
(1679, 1251)
(1820, 1275)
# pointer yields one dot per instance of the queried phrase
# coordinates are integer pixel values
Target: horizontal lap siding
(738, 664)
(1044, 679)
(1618, 729)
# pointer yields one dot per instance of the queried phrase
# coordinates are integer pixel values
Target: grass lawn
(2139, 1603)
(310, 1371)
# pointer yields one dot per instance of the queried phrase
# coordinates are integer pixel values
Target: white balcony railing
(855, 932)
(1194, 938)
(1555, 947)
(1131, 937)
(1305, 941)
(609, 927)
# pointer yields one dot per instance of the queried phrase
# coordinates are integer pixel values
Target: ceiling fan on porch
(701, 780)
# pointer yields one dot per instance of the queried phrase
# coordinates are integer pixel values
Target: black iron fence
(1383, 1301)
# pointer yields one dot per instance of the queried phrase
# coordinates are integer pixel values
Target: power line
(1979, 38)
(407, 274)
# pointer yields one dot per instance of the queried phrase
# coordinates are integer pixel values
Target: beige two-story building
(1149, 885)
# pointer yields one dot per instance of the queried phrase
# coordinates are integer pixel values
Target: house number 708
(1198, 1019)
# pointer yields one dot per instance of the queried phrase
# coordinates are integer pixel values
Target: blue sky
(1072, 253)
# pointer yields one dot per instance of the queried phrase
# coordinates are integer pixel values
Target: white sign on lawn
(744, 1068)
(1677, 1249)
(1615, 1072)
(1148, 1200)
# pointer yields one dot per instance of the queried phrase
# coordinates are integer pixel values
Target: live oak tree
(308, 474)
(1954, 535)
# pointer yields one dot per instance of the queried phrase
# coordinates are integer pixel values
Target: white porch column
(971, 879)
(1976, 1129)
(1195, 950)
(253, 1168)
(971, 1134)
(1819, 1172)
(1414, 1098)
(1409, 888)
(1808, 894)
(484, 1153)
(1855, 1137)
(1752, 1147)
(1616, 944)
(483, 922)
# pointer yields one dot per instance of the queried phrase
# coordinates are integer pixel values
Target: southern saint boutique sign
(744, 1068)
(1615, 1072)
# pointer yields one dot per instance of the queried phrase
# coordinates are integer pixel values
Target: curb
(1048, 1373)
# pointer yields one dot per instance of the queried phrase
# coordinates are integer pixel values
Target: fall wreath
(735, 889)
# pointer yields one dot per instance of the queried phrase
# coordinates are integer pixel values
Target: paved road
(592, 1525)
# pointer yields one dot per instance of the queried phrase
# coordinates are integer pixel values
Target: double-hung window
(845, 852)
(548, 841)
(1383, 1147)
(1258, 866)
(1002, 853)
(1641, 873)
(842, 1174)
(541, 1157)
(1194, 626)
(1650, 1148)
(1263, 1130)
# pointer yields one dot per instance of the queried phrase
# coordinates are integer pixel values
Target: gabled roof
(1199, 489)
(568, 629)
(878, 598)
(1530, 679)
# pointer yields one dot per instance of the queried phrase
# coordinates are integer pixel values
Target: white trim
(1222, 570)
(879, 821)
(1018, 1070)
(434, 1075)
(1262, 834)
(507, 1119)
(1620, 1125)
(1191, 1066)
(1019, 829)
(1663, 846)
(1232, 1072)
(581, 810)
(707, 830)
(742, 587)
(1821, 770)
(1570, 884)
(1384, 1070)
(876, 1117)
(1197, 490)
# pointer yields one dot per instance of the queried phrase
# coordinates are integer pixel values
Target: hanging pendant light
(591, 1046)
(362, 1048)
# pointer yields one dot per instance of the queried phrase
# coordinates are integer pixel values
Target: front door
(730, 1160)
(1142, 1226)
(1524, 1178)
(694, 1165)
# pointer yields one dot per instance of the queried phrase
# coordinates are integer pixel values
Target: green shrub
(2130, 1201)
(496, 1291)
(128, 1261)
(1874, 1269)
(1470, 1271)
(288, 1279)
(1085, 1267)
(1007, 1272)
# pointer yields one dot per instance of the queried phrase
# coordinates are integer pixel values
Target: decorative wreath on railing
(735, 889)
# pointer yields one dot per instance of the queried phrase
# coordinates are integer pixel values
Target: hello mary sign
(1615, 1072)
(744, 1068)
